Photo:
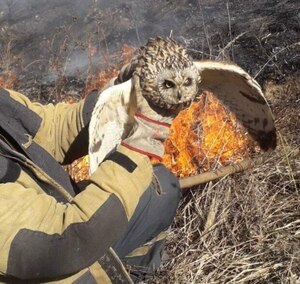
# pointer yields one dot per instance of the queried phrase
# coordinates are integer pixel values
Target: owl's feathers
(164, 61)
(111, 121)
(168, 77)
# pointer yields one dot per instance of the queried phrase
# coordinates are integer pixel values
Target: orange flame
(204, 136)
(99, 80)
(8, 80)
(79, 169)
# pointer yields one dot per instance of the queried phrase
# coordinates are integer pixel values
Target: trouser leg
(142, 243)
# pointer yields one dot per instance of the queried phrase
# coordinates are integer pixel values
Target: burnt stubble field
(244, 228)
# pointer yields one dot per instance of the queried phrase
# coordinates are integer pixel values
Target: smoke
(53, 32)
(42, 36)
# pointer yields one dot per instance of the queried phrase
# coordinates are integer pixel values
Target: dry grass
(244, 228)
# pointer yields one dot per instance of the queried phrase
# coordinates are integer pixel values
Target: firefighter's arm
(64, 127)
(41, 238)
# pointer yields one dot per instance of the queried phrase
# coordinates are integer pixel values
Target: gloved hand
(151, 127)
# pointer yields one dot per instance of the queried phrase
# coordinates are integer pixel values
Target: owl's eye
(168, 84)
(188, 82)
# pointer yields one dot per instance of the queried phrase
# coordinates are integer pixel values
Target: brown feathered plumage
(168, 77)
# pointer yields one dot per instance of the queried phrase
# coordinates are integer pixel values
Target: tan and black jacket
(47, 232)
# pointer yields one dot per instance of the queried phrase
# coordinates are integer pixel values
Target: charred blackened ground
(52, 38)
(242, 229)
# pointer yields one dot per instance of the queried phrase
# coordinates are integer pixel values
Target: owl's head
(168, 77)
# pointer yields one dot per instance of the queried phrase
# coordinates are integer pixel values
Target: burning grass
(205, 137)
(8, 80)
(99, 80)
(202, 137)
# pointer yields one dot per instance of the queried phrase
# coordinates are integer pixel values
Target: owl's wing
(111, 120)
(243, 96)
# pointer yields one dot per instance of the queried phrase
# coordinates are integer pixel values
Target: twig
(188, 182)
(205, 30)
(274, 55)
(292, 177)
(201, 52)
(230, 31)
(229, 44)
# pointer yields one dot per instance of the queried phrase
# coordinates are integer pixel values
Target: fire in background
(203, 137)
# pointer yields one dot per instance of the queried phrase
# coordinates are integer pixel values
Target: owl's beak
(179, 95)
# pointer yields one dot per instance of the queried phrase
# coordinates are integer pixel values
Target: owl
(162, 73)
(168, 77)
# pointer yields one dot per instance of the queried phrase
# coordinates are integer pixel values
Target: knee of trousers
(167, 191)
(154, 213)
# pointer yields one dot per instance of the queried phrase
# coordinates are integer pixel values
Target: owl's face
(169, 79)
(177, 88)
